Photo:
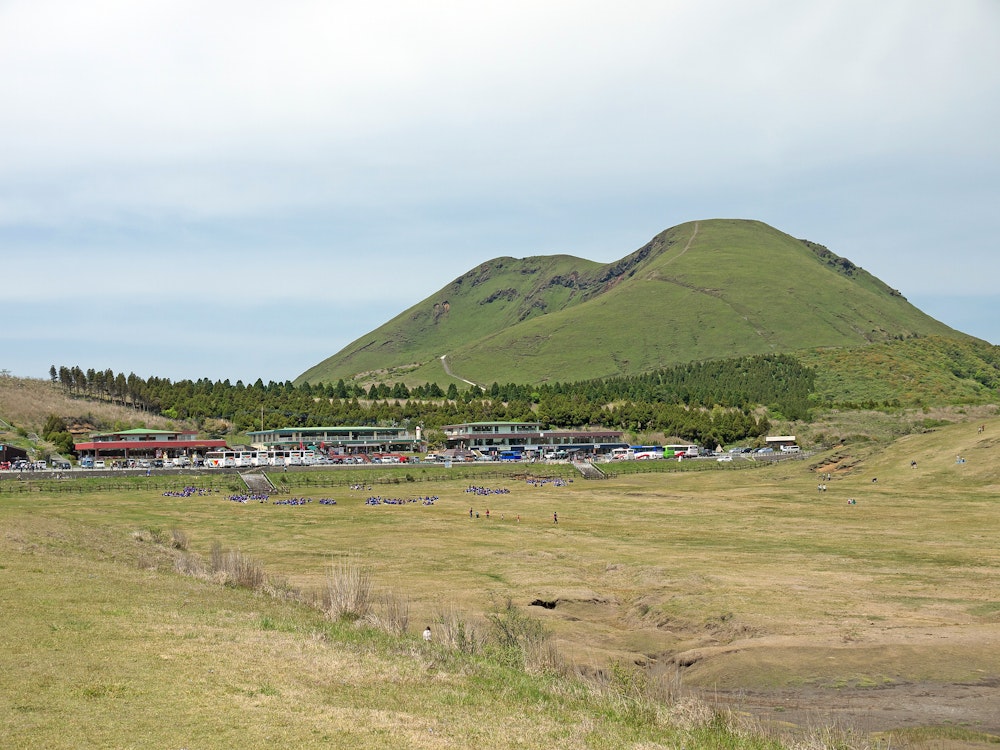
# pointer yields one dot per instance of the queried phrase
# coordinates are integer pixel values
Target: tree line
(705, 402)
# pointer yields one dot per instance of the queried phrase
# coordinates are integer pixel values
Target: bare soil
(872, 685)
(975, 707)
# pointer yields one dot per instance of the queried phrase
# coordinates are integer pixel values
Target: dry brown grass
(390, 613)
(349, 590)
(236, 568)
(28, 402)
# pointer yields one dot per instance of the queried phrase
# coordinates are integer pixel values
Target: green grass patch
(116, 637)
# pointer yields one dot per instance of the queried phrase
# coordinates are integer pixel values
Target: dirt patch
(974, 707)
(892, 679)
(838, 463)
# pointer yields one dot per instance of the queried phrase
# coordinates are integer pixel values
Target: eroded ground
(867, 679)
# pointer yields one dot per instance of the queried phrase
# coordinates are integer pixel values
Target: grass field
(720, 581)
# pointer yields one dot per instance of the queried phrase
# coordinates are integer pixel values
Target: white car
(724, 459)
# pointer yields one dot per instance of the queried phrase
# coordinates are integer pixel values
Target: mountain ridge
(700, 290)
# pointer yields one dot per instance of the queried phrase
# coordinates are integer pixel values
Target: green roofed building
(528, 437)
(341, 439)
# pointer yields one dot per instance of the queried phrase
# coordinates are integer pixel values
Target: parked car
(726, 459)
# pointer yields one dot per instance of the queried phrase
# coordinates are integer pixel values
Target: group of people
(476, 490)
(304, 501)
(251, 498)
(473, 513)
(502, 515)
(263, 499)
(378, 500)
(189, 492)
(555, 482)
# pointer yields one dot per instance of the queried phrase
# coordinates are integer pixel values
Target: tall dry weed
(190, 565)
(455, 631)
(178, 539)
(237, 569)
(390, 614)
(520, 640)
(348, 590)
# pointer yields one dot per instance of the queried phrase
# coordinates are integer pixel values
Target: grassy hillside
(25, 404)
(498, 294)
(915, 372)
(701, 290)
(739, 583)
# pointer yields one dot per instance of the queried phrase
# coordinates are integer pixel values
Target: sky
(238, 190)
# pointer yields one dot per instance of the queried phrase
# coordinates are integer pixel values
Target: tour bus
(244, 459)
(622, 454)
(647, 452)
(681, 451)
(253, 458)
(510, 455)
(272, 457)
(220, 459)
(261, 458)
(300, 457)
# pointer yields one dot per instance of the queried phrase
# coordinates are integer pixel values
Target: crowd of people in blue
(189, 492)
(371, 500)
(263, 499)
(556, 482)
(475, 490)
(379, 500)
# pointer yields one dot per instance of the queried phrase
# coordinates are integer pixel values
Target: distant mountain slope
(700, 290)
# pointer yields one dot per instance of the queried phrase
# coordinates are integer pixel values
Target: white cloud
(180, 147)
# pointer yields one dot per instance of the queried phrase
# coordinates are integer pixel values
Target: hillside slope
(700, 290)
(25, 404)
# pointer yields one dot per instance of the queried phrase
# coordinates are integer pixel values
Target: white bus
(272, 457)
(648, 453)
(220, 459)
(302, 457)
(686, 450)
(244, 458)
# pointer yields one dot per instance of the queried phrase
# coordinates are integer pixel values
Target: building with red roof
(144, 443)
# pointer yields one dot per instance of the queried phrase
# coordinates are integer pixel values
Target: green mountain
(700, 290)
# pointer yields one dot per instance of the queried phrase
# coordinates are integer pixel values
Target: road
(449, 373)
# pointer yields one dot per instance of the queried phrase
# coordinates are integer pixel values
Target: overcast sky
(235, 190)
